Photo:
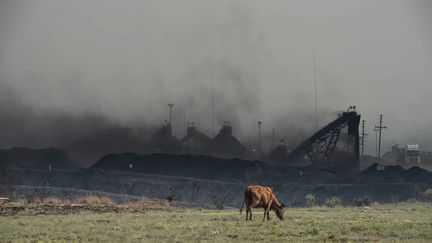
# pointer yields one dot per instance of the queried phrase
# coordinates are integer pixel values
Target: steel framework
(320, 147)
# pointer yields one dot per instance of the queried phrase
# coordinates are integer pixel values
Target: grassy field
(405, 222)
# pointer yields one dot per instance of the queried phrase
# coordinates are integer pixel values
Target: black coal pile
(390, 174)
(416, 174)
(48, 158)
(195, 166)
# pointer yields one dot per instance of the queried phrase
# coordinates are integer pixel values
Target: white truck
(412, 153)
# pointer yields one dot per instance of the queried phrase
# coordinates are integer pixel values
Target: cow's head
(280, 211)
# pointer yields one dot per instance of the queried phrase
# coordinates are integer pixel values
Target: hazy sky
(126, 60)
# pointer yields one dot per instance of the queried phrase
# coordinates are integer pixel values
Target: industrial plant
(334, 145)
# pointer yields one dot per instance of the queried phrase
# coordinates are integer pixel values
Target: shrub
(310, 200)
(145, 203)
(36, 196)
(428, 195)
(95, 200)
(361, 202)
(171, 196)
(332, 202)
(55, 201)
(219, 201)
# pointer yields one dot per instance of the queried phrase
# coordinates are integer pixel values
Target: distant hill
(37, 158)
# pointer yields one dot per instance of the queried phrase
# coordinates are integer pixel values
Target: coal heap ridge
(214, 168)
(390, 174)
(197, 166)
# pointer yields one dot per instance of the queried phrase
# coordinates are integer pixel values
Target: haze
(67, 67)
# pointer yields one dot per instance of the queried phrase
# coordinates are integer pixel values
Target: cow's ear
(282, 205)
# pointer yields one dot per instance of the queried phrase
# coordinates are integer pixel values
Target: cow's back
(258, 195)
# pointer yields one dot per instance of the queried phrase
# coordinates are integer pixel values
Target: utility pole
(259, 137)
(316, 93)
(380, 127)
(212, 95)
(170, 107)
(376, 141)
(184, 121)
(363, 137)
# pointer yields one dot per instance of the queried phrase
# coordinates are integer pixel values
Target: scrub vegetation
(403, 222)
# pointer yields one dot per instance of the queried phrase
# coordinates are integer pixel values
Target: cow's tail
(243, 204)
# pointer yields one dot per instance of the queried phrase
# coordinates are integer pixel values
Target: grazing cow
(261, 197)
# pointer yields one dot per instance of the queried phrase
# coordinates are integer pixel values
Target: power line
(408, 121)
(411, 125)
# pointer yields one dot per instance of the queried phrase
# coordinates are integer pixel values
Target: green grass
(405, 222)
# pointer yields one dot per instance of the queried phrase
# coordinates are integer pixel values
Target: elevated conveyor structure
(320, 147)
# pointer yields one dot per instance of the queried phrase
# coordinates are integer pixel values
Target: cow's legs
(266, 210)
(268, 215)
(247, 212)
(250, 213)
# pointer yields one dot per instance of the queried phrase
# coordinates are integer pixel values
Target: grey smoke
(72, 67)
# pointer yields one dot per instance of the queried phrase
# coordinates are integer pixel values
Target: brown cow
(256, 196)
